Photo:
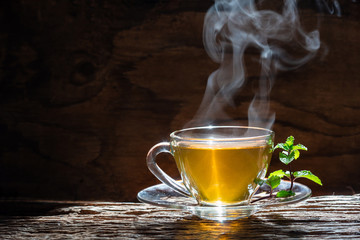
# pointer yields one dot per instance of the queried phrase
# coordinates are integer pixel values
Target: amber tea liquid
(221, 175)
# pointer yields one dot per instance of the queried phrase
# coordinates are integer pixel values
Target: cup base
(223, 204)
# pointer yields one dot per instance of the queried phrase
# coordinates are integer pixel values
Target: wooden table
(319, 217)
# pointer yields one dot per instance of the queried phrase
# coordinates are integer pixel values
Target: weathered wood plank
(325, 217)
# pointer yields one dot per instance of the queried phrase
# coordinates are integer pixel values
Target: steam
(333, 8)
(233, 26)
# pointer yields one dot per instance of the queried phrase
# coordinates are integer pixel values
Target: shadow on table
(191, 227)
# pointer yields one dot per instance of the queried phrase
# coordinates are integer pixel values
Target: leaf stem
(291, 178)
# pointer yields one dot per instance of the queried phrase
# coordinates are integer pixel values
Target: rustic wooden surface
(87, 87)
(324, 217)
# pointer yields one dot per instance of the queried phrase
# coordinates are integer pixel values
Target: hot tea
(221, 174)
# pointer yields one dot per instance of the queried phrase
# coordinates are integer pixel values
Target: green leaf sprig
(289, 153)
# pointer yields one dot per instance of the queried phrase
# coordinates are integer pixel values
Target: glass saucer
(162, 195)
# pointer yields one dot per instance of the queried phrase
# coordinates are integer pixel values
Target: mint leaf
(300, 147)
(296, 154)
(280, 173)
(283, 158)
(283, 146)
(273, 181)
(307, 174)
(286, 158)
(284, 193)
(290, 142)
(291, 156)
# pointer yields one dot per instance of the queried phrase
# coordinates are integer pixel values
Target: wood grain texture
(325, 217)
(87, 88)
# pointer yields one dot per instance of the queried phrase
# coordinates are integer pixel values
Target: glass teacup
(218, 164)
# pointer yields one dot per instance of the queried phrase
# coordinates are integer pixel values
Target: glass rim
(174, 135)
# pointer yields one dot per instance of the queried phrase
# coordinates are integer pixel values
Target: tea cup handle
(163, 147)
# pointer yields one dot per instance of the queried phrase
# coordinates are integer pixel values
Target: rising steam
(231, 27)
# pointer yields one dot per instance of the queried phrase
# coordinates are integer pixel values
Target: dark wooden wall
(87, 87)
